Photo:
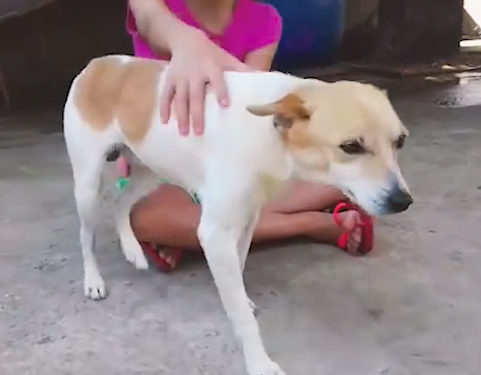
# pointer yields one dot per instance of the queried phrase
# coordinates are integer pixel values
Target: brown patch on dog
(291, 117)
(97, 91)
(286, 110)
(110, 89)
(138, 98)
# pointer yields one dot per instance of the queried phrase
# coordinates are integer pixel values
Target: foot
(350, 222)
(325, 230)
(346, 231)
(363, 223)
(164, 258)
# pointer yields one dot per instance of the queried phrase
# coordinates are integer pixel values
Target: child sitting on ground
(203, 38)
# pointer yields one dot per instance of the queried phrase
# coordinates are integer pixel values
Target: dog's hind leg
(88, 180)
(224, 216)
(142, 182)
(87, 151)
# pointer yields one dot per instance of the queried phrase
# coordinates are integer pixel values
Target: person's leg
(168, 217)
(304, 196)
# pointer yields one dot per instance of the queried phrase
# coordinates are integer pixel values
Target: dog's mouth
(352, 197)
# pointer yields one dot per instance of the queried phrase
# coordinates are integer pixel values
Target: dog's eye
(353, 147)
(399, 144)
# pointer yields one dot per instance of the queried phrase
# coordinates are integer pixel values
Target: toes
(356, 235)
(170, 256)
(355, 238)
(350, 219)
(170, 259)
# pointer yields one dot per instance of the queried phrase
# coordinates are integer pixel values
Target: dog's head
(346, 134)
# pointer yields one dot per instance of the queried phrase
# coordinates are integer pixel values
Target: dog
(278, 127)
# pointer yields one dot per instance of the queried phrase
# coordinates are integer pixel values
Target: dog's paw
(133, 253)
(138, 260)
(94, 287)
(254, 308)
(265, 367)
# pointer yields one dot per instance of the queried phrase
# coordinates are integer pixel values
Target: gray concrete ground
(412, 307)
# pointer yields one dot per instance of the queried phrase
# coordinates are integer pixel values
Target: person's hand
(196, 62)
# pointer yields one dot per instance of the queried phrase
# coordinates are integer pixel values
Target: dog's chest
(271, 186)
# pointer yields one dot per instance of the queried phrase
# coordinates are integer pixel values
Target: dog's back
(115, 100)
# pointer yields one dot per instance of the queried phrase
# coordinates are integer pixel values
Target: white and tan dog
(278, 127)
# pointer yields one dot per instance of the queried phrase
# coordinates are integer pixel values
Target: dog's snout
(399, 200)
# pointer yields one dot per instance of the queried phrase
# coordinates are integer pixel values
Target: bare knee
(164, 201)
(167, 216)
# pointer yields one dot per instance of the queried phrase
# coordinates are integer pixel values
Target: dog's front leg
(219, 240)
(243, 248)
(246, 240)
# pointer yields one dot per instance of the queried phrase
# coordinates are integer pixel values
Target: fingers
(217, 80)
(188, 97)
(186, 87)
(166, 98)
(196, 105)
(177, 93)
(181, 102)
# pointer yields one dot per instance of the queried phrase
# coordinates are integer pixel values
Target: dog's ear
(286, 111)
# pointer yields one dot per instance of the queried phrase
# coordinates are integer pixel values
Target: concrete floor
(412, 307)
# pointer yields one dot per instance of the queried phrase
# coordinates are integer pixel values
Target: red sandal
(160, 261)
(366, 224)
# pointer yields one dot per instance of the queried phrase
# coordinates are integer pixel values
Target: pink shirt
(253, 26)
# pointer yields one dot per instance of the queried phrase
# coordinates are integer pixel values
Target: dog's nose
(399, 200)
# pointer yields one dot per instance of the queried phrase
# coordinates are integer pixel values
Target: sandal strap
(366, 222)
(159, 261)
(346, 206)
(341, 206)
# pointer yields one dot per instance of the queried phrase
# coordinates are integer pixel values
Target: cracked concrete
(412, 307)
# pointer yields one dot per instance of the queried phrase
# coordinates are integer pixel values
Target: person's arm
(265, 39)
(196, 62)
(261, 59)
(159, 26)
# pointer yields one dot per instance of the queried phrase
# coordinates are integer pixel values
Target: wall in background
(41, 51)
